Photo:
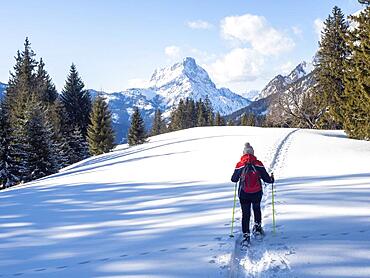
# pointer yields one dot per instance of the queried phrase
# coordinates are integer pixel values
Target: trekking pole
(232, 219)
(273, 210)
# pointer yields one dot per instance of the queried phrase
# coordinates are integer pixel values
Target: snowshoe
(246, 241)
(258, 232)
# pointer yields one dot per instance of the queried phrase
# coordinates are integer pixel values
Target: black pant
(246, 199)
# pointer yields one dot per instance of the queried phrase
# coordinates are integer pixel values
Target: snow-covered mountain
(302, 79)
(279, 83)
(166, 87)
(251, 94)
(187, 79)
(2, 89)
(155, 210)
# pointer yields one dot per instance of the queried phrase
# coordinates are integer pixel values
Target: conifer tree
(329, 69)
(159, 125)
(79, 148)
(7, 165)
(100, 134)
(230, 122)
(356, 108)
(76, 100)
(244, 120)
(45, 87)
(201, 113)
(179, 117)
(209, 115)
(39, 135)
(219, 121)
(190, 113)
(21, 89)
(136, 134)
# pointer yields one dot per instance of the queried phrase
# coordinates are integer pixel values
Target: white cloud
(199, 24)
(318, 25)
(256, 31)
(297, 31)
(286, 68)
(172, 52)
(240, 64)
(138, 83)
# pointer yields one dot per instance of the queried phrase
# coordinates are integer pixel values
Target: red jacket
(260, 170)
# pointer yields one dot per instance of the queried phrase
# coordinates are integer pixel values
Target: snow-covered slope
(163, 209)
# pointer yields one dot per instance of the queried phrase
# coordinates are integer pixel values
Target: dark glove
(272, 178)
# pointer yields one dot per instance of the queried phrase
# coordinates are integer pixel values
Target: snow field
(163, 209)
(135, 212)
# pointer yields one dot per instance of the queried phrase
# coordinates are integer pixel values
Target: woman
(249, 171)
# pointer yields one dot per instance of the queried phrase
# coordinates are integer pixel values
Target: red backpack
(250, 180)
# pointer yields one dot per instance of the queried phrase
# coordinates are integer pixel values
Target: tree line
(339, 96)
(42, 131)
(187, 113)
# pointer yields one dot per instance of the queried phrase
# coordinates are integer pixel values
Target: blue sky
(118, 44)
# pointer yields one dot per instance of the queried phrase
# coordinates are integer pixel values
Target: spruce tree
(244, 119)
(329, 69)
(219, 121)
(45, 87)
(100, 134)
(230, 122)
(39, 135)
(78, 146)
(21, 90)
(8, 169)
(76, 100)
(136, 134)
(356, 108)
(209, 115)
(201, 113)
(158, 125)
